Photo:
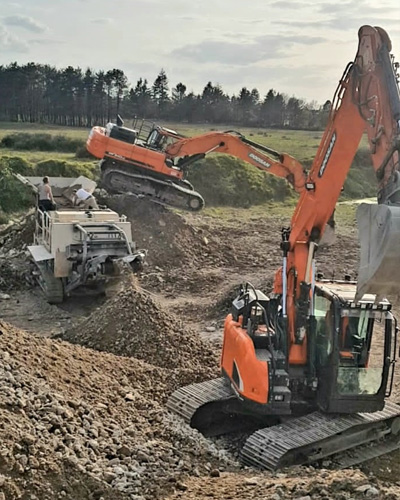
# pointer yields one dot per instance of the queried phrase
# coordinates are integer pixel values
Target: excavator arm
(235, 144)
(367, 99)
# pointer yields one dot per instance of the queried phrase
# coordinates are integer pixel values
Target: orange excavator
(308, 369)
(151, 160)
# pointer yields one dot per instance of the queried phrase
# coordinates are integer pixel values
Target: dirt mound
(71, 416)
(133, 324)
(169, 238)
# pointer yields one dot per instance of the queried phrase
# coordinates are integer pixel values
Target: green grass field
(7, 128)
(38, 156)
(345, 213)
(301, 144)
(221, 179)
(298, 143)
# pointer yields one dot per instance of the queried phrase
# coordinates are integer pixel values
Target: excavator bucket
(379, 235)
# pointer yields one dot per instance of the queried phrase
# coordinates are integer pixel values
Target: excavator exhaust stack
(379, 236)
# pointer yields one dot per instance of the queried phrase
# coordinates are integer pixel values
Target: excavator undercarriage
(332, 407)
(284, 441)
(123, 177)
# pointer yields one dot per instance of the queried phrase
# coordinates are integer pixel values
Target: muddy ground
(89, 422)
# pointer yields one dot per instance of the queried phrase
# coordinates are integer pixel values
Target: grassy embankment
(34, 149)
(38, 150)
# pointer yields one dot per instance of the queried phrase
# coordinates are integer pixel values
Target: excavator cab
(350, 353)
(160, 138)
(356, 347)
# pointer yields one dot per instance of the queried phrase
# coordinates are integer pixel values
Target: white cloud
(11, 43)
(290, 5)
(25, 22)
(47, 42)
(102, 20)
(237, 53)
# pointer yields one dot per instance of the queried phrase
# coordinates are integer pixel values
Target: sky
(296, 47)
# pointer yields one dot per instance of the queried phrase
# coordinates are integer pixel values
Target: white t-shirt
(82, 194)
(44, 192)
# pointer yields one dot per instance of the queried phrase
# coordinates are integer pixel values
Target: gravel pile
(132, 323)
(298, 484)
(66, 408)
(76, 423)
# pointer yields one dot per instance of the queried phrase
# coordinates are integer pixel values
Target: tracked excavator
(151, 160)
(308, 369)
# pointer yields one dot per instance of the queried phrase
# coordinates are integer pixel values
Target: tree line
(72, 97)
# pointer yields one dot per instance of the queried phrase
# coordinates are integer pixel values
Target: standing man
(46, 200)
(83, 197)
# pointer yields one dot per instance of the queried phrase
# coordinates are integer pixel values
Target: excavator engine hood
(379, 236)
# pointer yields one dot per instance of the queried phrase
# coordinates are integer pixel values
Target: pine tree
(160, 92)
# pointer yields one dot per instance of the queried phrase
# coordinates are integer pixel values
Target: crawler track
(52, 287)
(347, 439)
(212, 408)
(318, 435)
(124, 178)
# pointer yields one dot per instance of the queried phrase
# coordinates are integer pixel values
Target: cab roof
(346, 292)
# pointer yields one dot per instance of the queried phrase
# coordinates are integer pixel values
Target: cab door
(354, 377)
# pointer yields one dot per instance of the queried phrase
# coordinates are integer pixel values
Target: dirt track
(97, 420)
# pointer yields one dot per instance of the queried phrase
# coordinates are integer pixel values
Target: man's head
(45, 180)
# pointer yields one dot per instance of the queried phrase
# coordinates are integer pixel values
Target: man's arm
(76, 201)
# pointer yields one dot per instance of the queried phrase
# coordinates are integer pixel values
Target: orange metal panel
(238, 347)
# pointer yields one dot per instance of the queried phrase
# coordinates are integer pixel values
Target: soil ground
(159, 332)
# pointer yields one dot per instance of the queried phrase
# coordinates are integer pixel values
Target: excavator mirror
(379, 236)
